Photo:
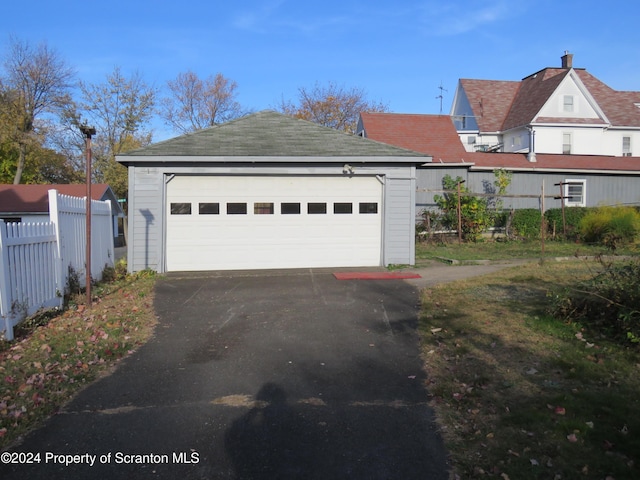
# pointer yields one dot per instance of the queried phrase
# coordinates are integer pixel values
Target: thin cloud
(460, 18)
(257, 20)
(273, 17)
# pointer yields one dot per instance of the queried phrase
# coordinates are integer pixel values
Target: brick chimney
(567, 60)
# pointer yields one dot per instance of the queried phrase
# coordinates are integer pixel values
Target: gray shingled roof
(270, 134)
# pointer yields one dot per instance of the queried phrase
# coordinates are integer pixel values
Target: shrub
(608, 303)
(525, 223)
(117, 272)
(474, 211)
(610, 226)
(430, 222)
(572, 218)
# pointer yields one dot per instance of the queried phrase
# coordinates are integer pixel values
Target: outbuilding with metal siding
(270, 191)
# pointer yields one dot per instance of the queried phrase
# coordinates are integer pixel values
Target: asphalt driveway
(257, 375)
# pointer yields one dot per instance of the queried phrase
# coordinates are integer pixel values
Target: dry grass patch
(519, 394)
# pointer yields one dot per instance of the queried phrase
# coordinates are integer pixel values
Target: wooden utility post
(88, 132)
(561, 198)
(542, 220)
(459, 213)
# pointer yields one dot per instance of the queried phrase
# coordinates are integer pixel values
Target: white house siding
(612, 142)
(581, 105)
(584, 140)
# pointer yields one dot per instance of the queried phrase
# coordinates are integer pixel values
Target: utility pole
(460, 212)
(88, 132)
(561, 198)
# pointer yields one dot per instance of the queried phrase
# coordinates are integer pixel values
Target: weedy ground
(519, 394)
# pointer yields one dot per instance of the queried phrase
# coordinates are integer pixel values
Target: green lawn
(494, 250)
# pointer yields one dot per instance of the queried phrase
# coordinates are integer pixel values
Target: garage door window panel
(341, 208)
(180, 209)
(368, 208)
(209, 209)
(315, 208)
(263, 208)
(236, 208)
(290, 208)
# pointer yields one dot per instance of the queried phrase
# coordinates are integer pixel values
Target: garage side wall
(399, 225)
(145, 217)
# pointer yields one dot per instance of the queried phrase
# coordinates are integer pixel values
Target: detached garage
(268, 191)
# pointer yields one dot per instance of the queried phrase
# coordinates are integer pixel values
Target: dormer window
(567, 103)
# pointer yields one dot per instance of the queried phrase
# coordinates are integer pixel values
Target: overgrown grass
(519, 394)
(55, 355)
(509, 250)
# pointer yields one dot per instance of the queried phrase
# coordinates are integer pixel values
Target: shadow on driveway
(271, 375)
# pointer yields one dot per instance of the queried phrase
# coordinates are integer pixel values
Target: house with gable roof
(583, 180)
(562, 110)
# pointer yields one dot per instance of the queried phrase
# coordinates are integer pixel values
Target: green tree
(194, 104)
(474, 212)
(42, 165)
(35, 83)
(502, 181)
(332, 105)
(120, 110)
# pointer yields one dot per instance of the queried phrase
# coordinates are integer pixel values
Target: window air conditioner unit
(626, 154)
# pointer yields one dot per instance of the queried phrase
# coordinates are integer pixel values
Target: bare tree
(36, 82)
(120, 110)
(332, 105)
(194, 104)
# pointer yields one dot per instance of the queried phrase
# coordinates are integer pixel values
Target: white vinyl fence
(37, 259)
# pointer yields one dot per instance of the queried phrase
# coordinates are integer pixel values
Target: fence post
(542, 219)
(5, 289)
(54, 217)
(111, 237)
(459, 213)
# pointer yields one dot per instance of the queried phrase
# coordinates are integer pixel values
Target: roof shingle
(490, 101)
(269, 134)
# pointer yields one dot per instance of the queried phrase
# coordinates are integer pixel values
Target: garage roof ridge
(269, 134)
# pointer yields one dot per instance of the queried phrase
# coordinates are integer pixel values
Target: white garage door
(240, 222)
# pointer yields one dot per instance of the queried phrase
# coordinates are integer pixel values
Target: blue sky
(398, 52)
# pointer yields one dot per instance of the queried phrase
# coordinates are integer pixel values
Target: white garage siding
(261, 222)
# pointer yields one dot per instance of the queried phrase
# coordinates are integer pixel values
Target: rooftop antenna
(441, 96)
